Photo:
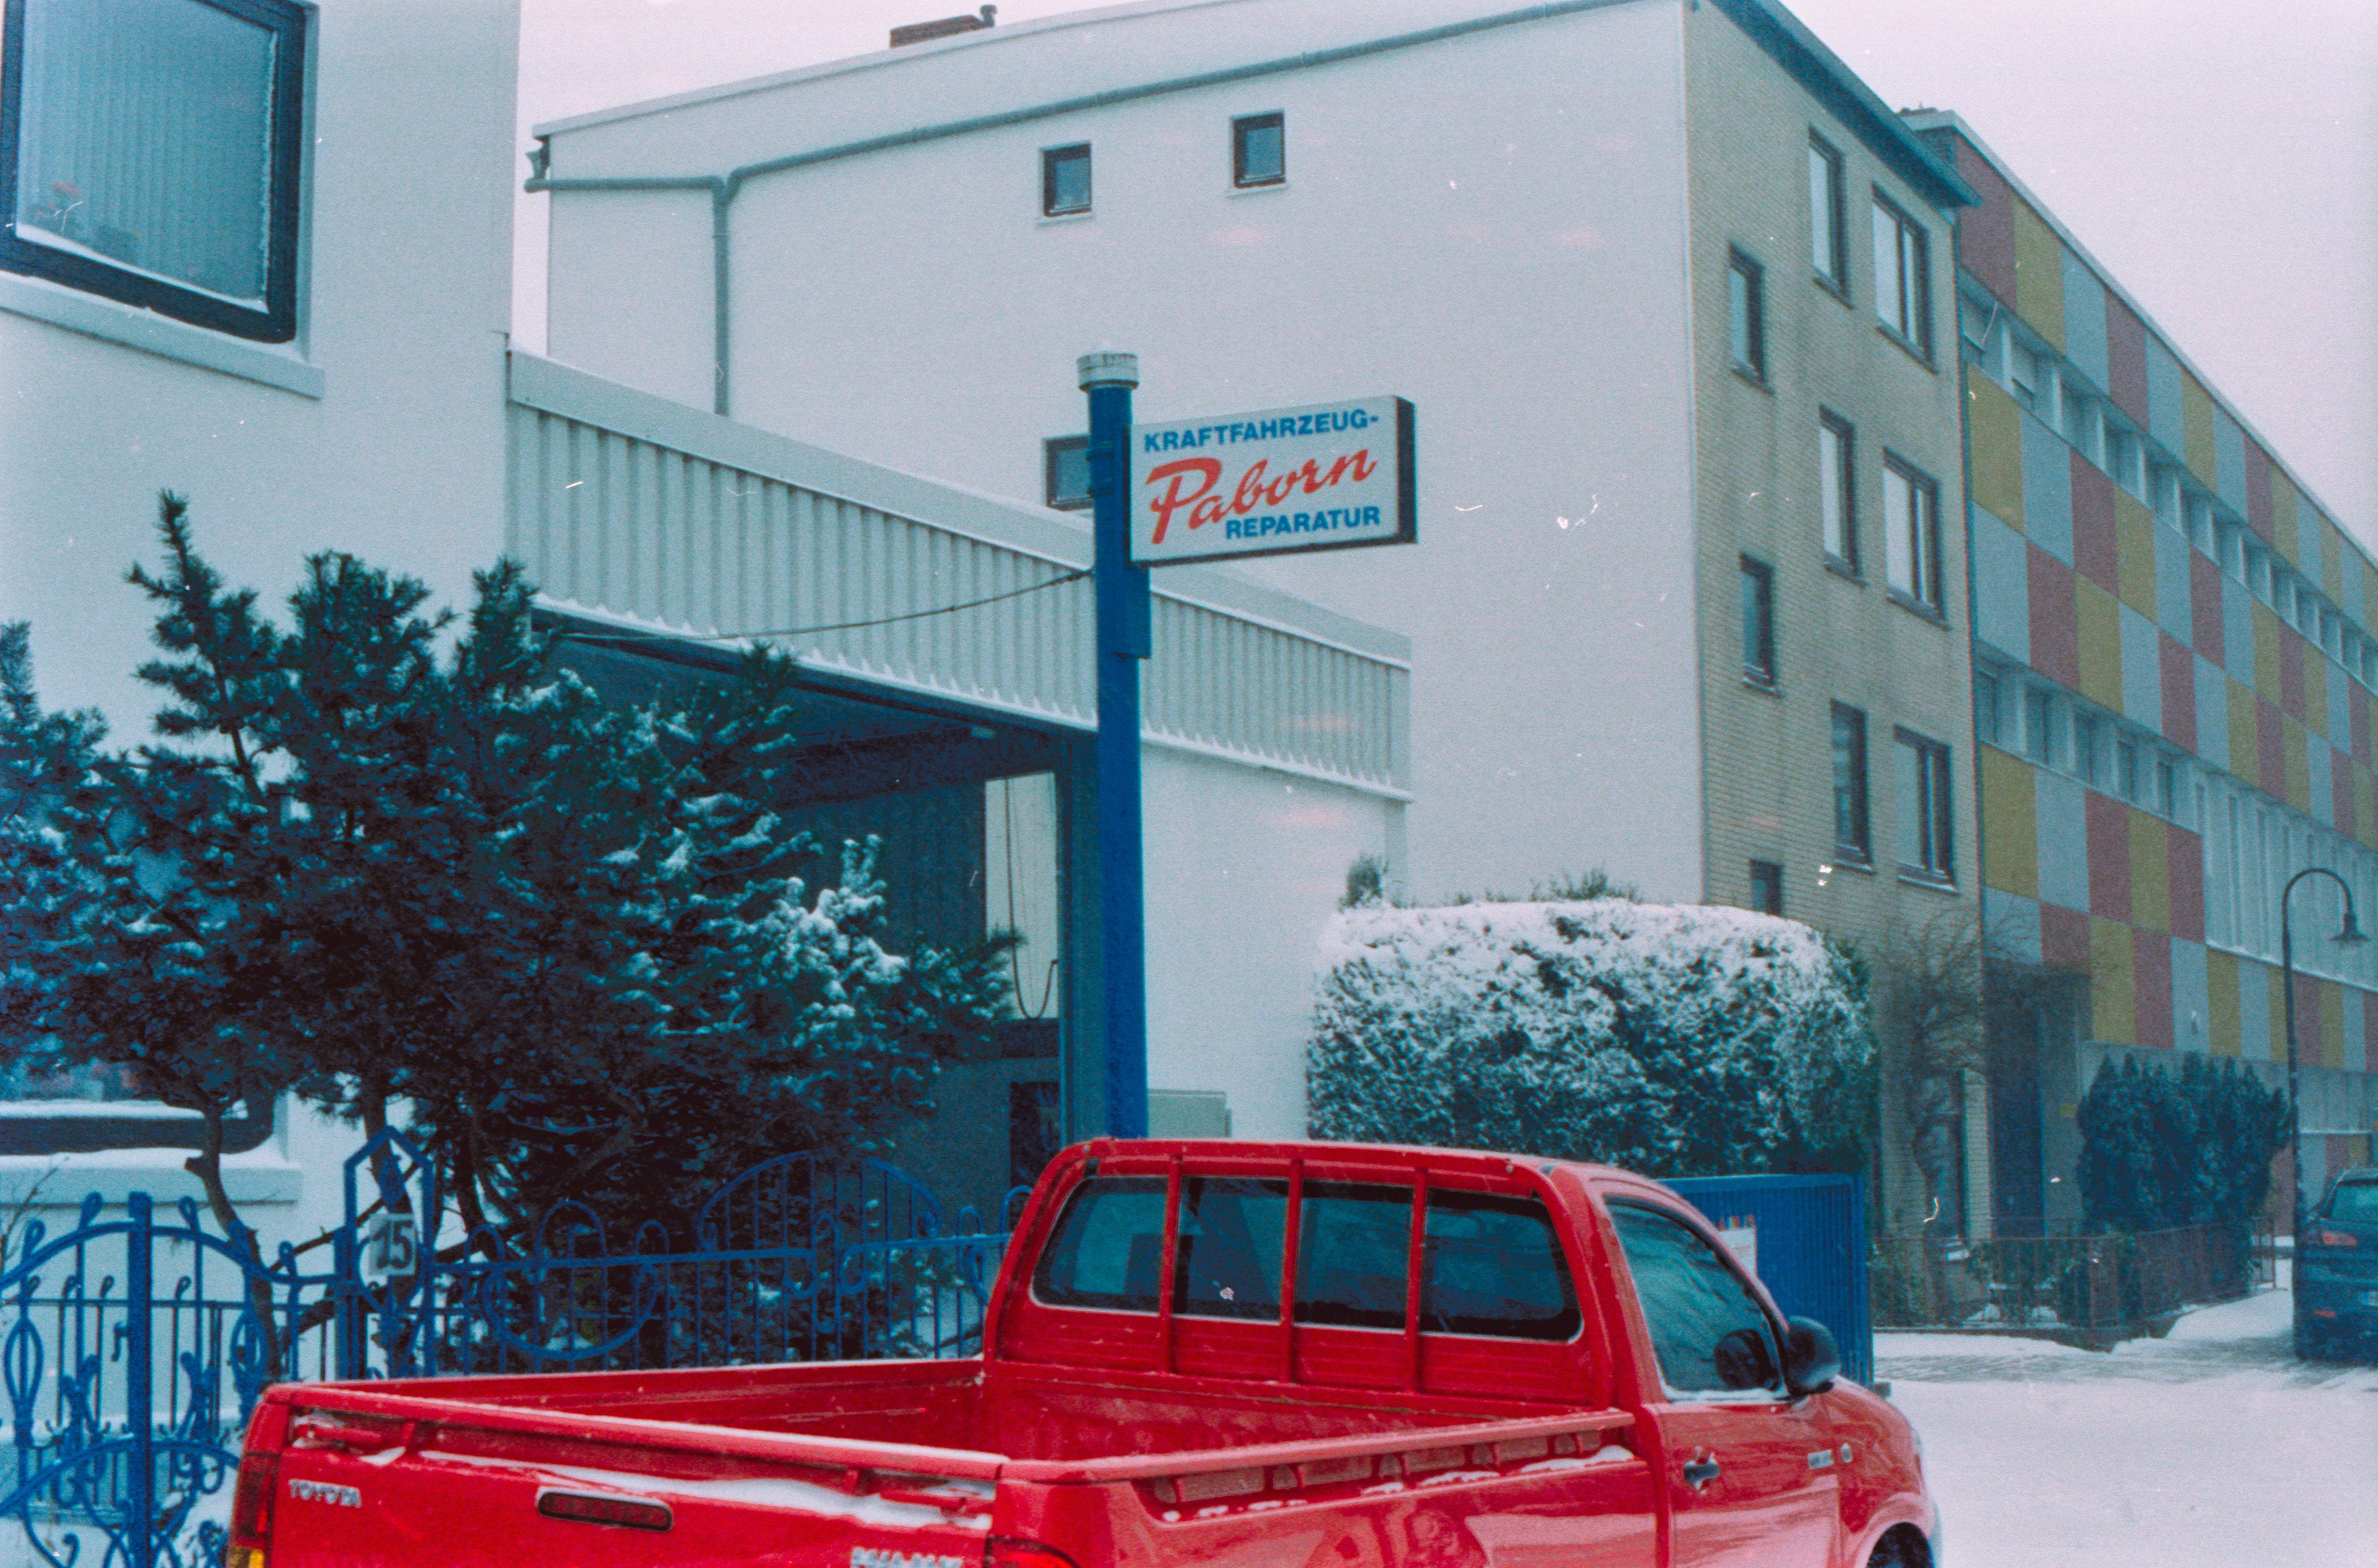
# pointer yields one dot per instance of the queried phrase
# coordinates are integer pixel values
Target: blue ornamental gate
(134, 1349)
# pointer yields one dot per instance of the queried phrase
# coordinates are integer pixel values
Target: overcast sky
(2218, 157)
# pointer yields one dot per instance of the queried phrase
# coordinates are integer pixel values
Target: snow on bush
(1679, 1040)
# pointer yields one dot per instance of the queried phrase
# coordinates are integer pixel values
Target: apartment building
(2173, 677)
(1672, 293)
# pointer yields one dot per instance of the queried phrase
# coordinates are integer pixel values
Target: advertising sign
(1328, 477)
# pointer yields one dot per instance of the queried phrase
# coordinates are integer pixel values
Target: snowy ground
(2215, 1448)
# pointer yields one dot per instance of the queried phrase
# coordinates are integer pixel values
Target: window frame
(1923, 591)
(1051, 156)
(1935, 804)
(1759, 641)
(1749, 334)
(1910, 275)
(1052, 449)
(276, 322)
(1840, 495)
(1856, 846)
(1832, 274)
(1276, 120)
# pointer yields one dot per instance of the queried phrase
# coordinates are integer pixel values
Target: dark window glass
(1766, 887)
(1851, 837)
(1758, 621)
(1258, 150)
(1065, 471)
(1837, 489)
(1353, 1245)
(1926, 828)
(1065, 180)
(1707, 1329)
(2354, 1202)
(1107, 1250)
(1231, 1234)
(1826, 252)
(1492, 1265)
(152, 155)
(1745, 309)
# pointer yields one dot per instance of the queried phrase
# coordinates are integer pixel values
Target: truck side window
(1352, 1243)
(1108, 1246)
(1709, 1333)
(1492, 1265)
(1108, 1249)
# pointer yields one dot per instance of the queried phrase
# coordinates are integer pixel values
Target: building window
(1259, 152)
(1757, 621)
(1987, 720)
(1927, 828)
(1065, 471)
(1851, 838)
(152, 150)
(2038, 736)
(2088, 745)
(1837, 487)
(1902, 294)
(2166, 799)
(2127, 782)
(1746, 314)
(1911, 521)
(1766, 887)
(1065, 180)
(1827, 254)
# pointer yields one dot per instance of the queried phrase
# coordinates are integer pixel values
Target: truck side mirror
(1811, 1359)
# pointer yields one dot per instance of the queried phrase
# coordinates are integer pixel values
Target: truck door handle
(1698, 1473)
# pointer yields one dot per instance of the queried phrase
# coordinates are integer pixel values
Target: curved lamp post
(2348, 934)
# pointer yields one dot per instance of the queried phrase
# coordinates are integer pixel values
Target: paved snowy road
(2215, 1448)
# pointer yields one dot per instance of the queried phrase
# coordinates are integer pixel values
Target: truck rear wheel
(1901, 1547)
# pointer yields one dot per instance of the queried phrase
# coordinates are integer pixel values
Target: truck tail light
(251, 1510)
(2335, 1239)
(1023, 1554)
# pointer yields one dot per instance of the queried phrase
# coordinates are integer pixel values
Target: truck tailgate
(457, 1484)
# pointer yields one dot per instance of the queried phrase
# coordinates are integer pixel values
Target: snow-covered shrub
(1679, 1040)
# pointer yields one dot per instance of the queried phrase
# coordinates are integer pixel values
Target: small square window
(1988, 721)
(1745, 314)
(1766, 887)
(1258, 150)
(1758, 622)
(1065, 180)
(152, 155)
(1065, 471)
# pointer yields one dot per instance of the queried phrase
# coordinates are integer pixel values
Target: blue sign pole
(1124, 640)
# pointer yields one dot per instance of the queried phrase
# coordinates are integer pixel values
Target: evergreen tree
(574, 942)
(2158, 1151)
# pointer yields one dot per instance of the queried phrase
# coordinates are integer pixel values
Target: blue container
(1811, 1248)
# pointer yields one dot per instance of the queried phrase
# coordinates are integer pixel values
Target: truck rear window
(1492, 1264)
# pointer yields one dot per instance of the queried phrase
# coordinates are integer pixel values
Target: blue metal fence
(1811, 1248)
(134, 1345)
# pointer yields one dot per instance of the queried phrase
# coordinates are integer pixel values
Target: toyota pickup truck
(1230, 1354)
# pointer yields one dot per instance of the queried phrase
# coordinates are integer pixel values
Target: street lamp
(2349, 935)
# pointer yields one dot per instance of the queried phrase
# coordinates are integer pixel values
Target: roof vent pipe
(948, 27)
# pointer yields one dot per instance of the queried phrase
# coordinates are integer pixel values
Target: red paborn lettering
(1254, 488)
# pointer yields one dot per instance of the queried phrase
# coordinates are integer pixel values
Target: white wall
(381, 431)
(405, 306)
(1492, 226)
(1243, 869)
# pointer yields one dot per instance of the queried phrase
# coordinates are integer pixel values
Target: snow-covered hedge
(1679, 1040)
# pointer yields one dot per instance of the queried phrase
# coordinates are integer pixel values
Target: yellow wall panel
(2150, 871)
(2298, 766)
(2135, 544)
(2039, 279)
(2196, 417)
(2010, 824)
(2333, 555)
(2357, 785)
(2101, 643)
(2332, 1024)
(2113, 983)
(2221, 1002)
(2278, 1014)
(1994, 429)
(2245, 745)
(2266, 653)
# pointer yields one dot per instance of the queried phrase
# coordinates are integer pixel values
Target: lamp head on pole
(2351, 934)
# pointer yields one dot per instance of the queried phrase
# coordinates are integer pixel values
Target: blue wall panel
(2211, 713)
(1811, 1249)
(2047, 490)
(2001, 588)
(2084, 322)
(2165, 421)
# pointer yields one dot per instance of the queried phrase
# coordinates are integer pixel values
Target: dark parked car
(2336, 1272)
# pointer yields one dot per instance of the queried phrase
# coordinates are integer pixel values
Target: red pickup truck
(1221, 1354)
